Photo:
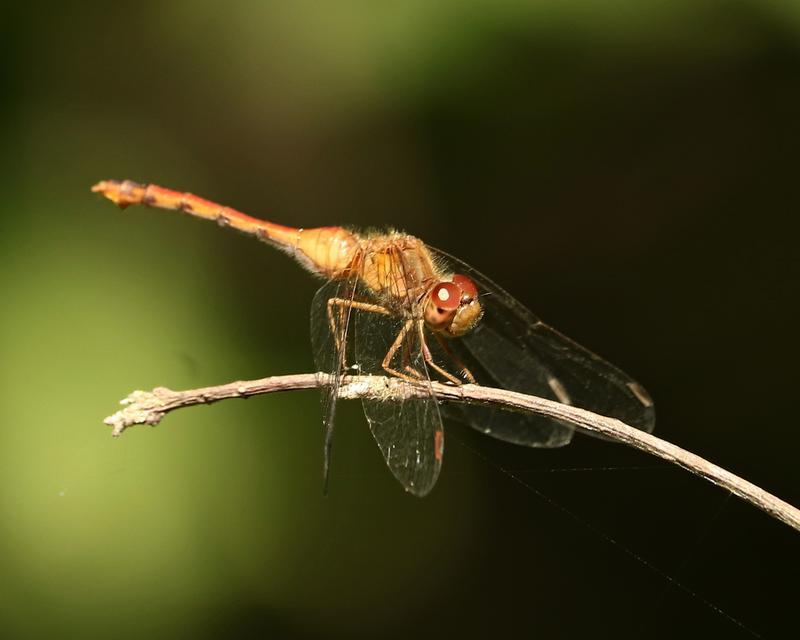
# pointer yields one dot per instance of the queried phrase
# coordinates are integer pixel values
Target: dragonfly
(395, 306)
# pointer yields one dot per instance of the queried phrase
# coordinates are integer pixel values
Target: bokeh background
(627, 169)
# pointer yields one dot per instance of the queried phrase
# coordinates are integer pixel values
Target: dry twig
(149, 407)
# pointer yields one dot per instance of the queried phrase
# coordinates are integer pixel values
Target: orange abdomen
(329, 251)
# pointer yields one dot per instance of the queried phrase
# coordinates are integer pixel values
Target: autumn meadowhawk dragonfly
(394, 305)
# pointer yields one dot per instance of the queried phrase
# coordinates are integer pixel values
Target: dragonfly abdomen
(327, 251)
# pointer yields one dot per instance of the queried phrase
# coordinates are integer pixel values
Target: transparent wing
(512, 349)
(408, 433)
(346, 333)
(330, 324)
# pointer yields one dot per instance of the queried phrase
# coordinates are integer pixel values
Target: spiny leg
(426, 353)
(398, 341)
(413, 372)
(462, 367)
(407, 366)
(342, 304)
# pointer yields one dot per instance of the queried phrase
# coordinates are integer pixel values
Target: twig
(149, 407)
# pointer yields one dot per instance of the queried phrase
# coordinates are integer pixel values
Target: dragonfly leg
(390, 354)
(463, 370)
(407, 366)
(426, 353)
(340, 305)
(413, 372)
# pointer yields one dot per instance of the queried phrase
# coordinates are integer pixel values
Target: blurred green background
(627, 169)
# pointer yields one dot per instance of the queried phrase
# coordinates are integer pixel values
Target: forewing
(409, 433)
(512, 349)
(329, 342)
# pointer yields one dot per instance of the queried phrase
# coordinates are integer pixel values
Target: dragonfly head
(452, 307)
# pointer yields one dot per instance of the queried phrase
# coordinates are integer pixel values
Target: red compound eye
(446, 295)
(467, 286)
